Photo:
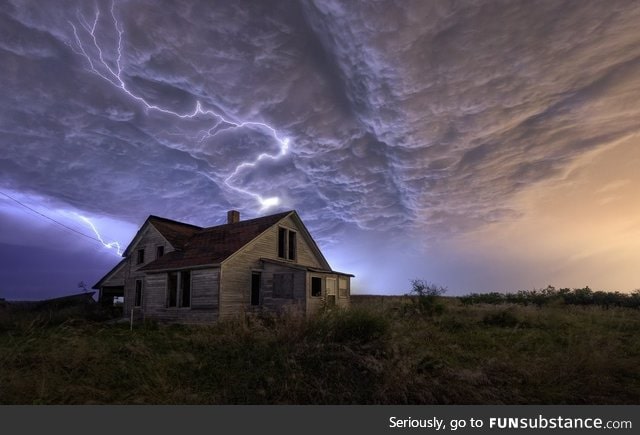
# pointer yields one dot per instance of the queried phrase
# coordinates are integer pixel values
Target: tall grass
(372, 354)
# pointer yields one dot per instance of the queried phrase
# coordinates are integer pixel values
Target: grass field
(382, 351)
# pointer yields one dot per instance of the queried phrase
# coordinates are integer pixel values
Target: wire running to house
(49, 218)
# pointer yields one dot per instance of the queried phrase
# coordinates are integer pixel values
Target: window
(172, 289)
(287, 245)
(255, 288)
(292, 245)
(331, 286)
(185, 284)
(282, 242)
(179, 289)
(283, 285)
(140, 258)
(316, 286)
(159, 251)
(343, 287)
(138, 296)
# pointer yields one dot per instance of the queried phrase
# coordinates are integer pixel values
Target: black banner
(186, 420)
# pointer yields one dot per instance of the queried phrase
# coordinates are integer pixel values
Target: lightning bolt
(112, 73)
(109, 245)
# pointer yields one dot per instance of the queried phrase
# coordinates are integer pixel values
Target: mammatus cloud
(412, 123)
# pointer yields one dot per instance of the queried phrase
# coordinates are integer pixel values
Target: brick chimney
(233, 216)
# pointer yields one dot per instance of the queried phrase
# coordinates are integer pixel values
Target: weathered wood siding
(316, 303)
(225, 292)
(305, 255)
(150, 239)
(204, 298)
(235, 278)
(154, 291)
(344, 299)
(293, 303)
(205, 284)
(117, 278)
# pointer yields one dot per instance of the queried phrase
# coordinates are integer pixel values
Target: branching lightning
(109, 245)
(87, 45)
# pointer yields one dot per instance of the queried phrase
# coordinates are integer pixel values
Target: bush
(549, 295)
(425, 289)
(494, 298)
(426, 295)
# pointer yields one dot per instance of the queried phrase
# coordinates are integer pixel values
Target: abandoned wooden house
(177, 272)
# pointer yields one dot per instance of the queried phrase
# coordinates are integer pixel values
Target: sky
(481, 145)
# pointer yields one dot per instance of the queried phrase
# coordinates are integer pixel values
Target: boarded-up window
(331, 286)
(283, 285)
(343, 289)
(159, 251)
(316, 286)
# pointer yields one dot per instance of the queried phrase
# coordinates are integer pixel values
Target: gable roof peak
(155, 218)
(175, 232)
(213, 245)
(240, 223)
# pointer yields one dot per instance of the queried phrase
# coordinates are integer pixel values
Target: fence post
(131, 327)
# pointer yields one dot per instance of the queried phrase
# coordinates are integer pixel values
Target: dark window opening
(292, 245)
(255, 288)
(159, 251)
(185, 284)
(287, 246)
(282, 242)
(316, 286)
(172, 296)
(179, 289)
(138, 297)
(140, 259)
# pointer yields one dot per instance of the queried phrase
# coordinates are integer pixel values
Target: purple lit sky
(481, 145)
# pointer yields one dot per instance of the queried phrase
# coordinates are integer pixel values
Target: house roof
(109, 274)
(211, 246)
(176, 233)
(302, 267)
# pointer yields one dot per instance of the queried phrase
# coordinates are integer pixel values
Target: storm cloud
(410, 123)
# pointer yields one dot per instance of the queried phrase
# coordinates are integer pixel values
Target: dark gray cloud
(406, 118)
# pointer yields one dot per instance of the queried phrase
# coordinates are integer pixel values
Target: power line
(49, 218)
